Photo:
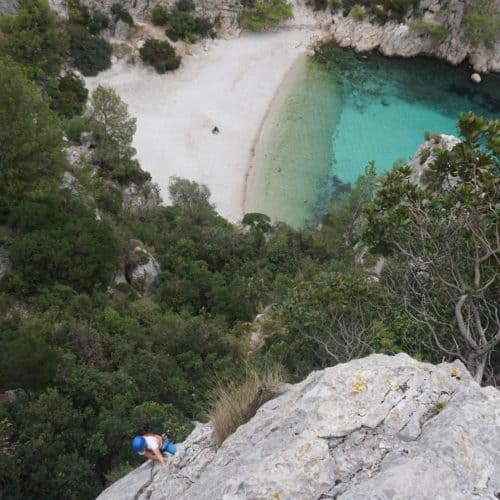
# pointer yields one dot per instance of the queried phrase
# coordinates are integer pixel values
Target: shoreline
(249, 177)
(230, 84)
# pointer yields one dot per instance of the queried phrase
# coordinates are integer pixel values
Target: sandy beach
(230, 84)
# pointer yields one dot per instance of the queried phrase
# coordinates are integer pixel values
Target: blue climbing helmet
(138, 443)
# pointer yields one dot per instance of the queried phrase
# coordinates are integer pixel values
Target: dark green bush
(204, 27)
(68, 95)
(78, 13)
(184, 26)
(119, 13)
(90, 53)
(161, 55)
(98, 22)
(76, 126)
(159, 15)
(185, 5)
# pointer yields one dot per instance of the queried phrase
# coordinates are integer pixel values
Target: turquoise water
(382, 108)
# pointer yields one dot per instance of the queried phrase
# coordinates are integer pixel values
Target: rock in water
(476, 77)
(381, 427)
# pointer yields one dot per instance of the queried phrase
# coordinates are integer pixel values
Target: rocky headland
(380, 427)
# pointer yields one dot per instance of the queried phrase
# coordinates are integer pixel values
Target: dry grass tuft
(235, 404)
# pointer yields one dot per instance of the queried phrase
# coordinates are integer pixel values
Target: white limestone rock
(380, 427)
(425, 154)
(141, 198)
(476, 77)
(138, 268)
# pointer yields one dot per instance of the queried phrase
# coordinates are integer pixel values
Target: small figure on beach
(215, 130)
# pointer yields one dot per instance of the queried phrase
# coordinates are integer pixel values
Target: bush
(265, 15)
(482, 23)
(161, 55)
(185, 5)
(78, 13)
(358, 12)
(98, 22)
(320, 4)
(159, 15)
(76, 126)
(119, 13)
(182, 26)
(90, 53)
(68, 95)
(235, 404)
(437, 32)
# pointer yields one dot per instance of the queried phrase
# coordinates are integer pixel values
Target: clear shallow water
(374, 108)
(293, 154)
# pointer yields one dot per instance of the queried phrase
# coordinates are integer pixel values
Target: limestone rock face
(7, 6)
(425, 154)
(394, 39)
(138, 268)
(376, 428)
(141, 199)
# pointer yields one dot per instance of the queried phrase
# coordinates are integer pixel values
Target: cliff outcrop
(400, 39)
(380, 427)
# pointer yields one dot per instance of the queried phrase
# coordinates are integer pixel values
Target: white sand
(230, 85)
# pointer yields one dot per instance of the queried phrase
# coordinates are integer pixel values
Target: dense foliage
(160, 54)
(266, 14)
(89, 53)
(35, 39)
(121, 14)
(482, 22)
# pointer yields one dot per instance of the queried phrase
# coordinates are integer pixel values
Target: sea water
(342, 110)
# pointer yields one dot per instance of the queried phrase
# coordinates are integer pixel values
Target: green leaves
(36, 40)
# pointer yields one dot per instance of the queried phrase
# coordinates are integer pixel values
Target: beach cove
(229, 84)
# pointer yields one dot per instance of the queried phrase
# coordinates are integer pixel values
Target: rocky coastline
(391, 39)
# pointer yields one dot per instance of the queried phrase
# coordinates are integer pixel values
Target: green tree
(114, 130)
(443, 236)
(36, 40)
(31, 159)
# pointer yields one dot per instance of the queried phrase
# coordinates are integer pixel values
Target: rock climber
(154, 446)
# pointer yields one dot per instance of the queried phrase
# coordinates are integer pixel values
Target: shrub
(159, 15)
(482, 23)
(358, 12)
(185, 5)
(90, 53)
(320, 4)
(78, 13)
(204, 26)
(98, 22)
(335, 5)
(161, 55)
(119, 13)
(265, 15)
(235, 404)
(76, 126)
(437, 32)
(182, 26)
(68, 95)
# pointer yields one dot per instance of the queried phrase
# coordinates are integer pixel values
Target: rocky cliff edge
(381, 427)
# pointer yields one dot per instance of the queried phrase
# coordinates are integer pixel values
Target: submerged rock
(379, 427)
(476, 77)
